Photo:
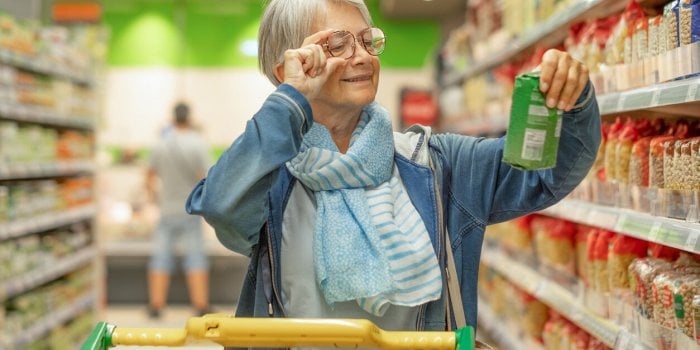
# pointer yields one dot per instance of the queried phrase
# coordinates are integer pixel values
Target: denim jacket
(457, 183)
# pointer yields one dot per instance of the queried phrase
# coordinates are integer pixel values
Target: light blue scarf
(370, 243)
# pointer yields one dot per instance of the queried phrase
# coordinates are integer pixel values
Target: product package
(532, 139)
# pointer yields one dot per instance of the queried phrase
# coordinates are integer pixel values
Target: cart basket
(230, 331)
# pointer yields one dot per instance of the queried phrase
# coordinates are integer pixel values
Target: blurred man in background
(179, 159)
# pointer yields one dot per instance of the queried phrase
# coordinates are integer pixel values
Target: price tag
(625, 341)
(692, 240)
(654, 232)
(692, 89)
(603, 219)
(620, 102)
(620, 224)
(655, 98)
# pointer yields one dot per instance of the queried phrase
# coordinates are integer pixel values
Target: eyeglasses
(342, 43)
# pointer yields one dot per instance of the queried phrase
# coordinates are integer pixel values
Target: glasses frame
(354, 42)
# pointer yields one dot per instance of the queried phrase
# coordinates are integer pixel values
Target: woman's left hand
(562, 79)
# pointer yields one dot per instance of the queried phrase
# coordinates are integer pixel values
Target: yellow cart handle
(231, 331)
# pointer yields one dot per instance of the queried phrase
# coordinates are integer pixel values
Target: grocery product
(696, 318)
(642, 274)
(582, 234)
(656, 160)
(623, 251)
(671, 21)
(533, 132)
(688, 21)
(639, 162)
(686, 161)
(611, 149)
(554, 243)
(600, 260)
(684, 289)
(662, 298)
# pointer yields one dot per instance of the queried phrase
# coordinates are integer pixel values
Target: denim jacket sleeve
(490, 191)
(233, 198)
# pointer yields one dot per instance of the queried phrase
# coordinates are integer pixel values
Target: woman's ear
(279, 72)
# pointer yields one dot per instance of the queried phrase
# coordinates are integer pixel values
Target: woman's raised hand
(562, 79)
(307, 68)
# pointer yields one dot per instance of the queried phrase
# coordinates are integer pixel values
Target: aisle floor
(135, 316)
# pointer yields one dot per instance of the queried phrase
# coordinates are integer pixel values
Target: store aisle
(172, 317)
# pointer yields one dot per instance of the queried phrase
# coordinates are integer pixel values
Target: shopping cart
(232, 331)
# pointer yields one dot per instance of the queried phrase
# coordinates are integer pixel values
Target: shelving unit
(45, 222)
(671, 232)
(548, 33)
(42, 66)
(679, 97)
(673, 97)
(42, 327)
(558, 298)
(496, 328)
(50, 100)
(33, 279)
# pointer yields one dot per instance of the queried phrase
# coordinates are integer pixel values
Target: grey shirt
(301, 296)
(179, 159)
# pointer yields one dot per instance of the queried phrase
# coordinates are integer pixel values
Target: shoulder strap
(453, 289)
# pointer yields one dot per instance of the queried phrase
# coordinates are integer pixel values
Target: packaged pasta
(639, 162)
(582, 233)
(686, 163)
(534, 315)
(662, 298)
(590, 257)
(630, 133)
(688, 22)
(558, 246)
(684, 290)
(623, 251)
(671, 21)
(642, 273)
(671, 156)
(661, 251)
(611, 148)
(600, 260)
(656, 161)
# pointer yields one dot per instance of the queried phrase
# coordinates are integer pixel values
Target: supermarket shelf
(556, 297)
(671, 232)
(661, 96)
(45, 169)
(42, 327)
(489, 322)
(39, 65)
(42, 115)
(45, 221)
(33, 279)
(549, 33)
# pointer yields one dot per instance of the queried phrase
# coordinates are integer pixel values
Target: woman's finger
(318, 37)
(582, 81)
(569, 87)
(558, 80)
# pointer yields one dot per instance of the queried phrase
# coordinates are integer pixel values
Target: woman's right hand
(307, 68)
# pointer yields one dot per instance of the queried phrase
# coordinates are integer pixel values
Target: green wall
(145, 33)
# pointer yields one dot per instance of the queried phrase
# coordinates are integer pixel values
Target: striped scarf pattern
(370, 243)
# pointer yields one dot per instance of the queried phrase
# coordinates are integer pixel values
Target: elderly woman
(344, 218)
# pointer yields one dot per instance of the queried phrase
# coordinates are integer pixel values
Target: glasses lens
(374, 41)
(340, 44)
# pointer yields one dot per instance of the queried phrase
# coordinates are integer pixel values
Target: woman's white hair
(285, 24)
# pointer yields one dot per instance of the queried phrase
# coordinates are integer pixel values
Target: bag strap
(453, 289)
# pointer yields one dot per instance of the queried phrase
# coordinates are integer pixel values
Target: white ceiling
(423, 9)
